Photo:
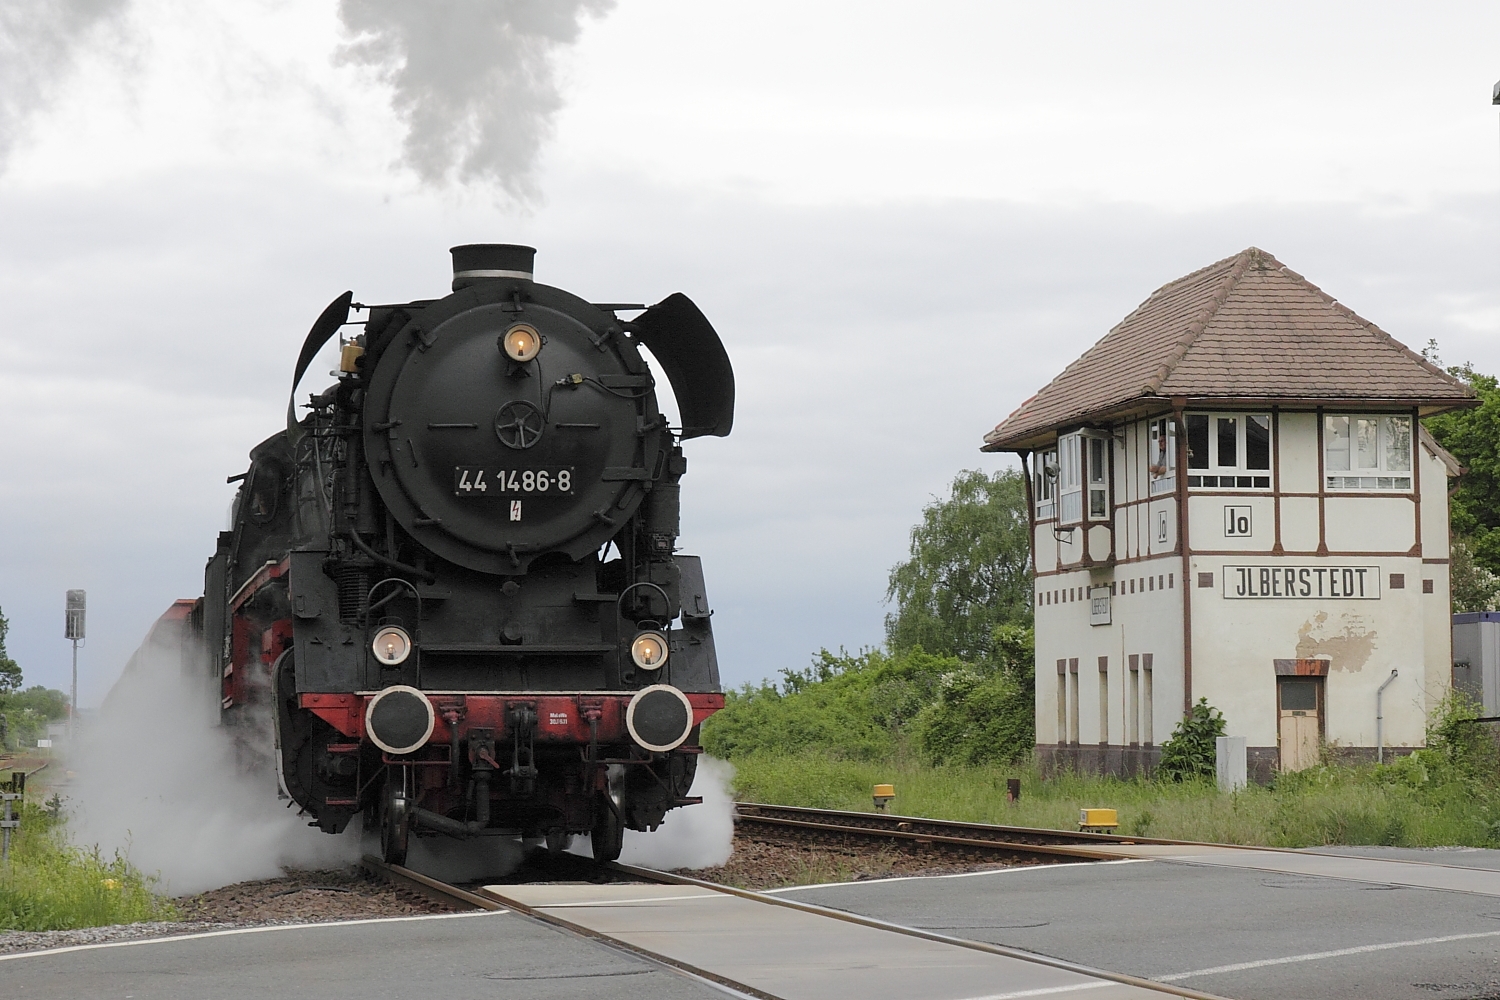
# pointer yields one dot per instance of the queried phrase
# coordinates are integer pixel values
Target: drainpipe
(1379, 723)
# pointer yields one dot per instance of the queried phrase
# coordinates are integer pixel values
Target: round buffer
(399, 719)
(659, 718)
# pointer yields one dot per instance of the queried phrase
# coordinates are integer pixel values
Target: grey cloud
(474, 79)
(39, 40)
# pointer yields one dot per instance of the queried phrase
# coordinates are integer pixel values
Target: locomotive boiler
(454, 584)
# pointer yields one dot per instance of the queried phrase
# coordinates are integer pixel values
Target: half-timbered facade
(1232, 497)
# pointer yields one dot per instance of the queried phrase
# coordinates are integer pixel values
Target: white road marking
(1092, 985)
(929, 878)
(243, 930)
(1317, 955)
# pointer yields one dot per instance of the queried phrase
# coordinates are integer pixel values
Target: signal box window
(1098, 479)
(1367, 452)
(1044, 484)
(1162, 457)
(1083, 477)
(1229, 451)
(1070, 478)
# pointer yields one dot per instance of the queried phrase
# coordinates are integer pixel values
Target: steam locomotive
(454, 583)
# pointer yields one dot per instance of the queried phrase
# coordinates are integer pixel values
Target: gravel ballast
(352, 894)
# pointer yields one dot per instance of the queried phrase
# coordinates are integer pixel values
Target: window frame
(1078, 486)
(1161, 443)
(1380, 478)
(1070, 478)
(1045, 485)
(1241, 476)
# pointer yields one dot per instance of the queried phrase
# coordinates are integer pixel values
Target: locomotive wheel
(395, 821)
(608, 833)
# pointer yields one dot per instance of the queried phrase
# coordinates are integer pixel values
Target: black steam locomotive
(454, 582)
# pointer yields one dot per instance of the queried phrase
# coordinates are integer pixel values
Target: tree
(969, 571)
(10, 670)
(1473, 436)
(1474, 588)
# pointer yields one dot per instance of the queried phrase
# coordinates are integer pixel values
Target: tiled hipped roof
(1244, 328)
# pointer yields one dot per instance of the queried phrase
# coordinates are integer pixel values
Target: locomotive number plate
(480, 481)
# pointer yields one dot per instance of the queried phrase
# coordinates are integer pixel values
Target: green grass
(50, 885)
(1397, 805)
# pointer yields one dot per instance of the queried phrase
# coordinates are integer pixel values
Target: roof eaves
(1455, 467)
(1376, 332)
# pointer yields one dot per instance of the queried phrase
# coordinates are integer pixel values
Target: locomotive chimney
(475, 262)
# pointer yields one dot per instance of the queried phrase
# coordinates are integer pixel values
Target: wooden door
(1300, 705)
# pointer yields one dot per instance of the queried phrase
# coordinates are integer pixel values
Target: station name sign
(1342, 583)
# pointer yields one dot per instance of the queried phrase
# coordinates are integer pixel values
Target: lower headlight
(392, 645)
(649, 650)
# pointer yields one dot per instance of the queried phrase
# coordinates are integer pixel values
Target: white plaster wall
(1298, 446)
(1434, 506)
(1206, 522)
(1062, 632)
(1044, 548)
(1369, 524)
(1165, 505)
(1299, 524)
(1235, 642)
(1148, 621)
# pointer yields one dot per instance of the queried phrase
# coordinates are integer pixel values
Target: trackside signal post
(73, 628)
(1232, 497)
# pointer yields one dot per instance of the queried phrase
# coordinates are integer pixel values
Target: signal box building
(1232, 497)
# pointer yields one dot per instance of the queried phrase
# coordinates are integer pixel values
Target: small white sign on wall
(1161, 527)
(1237, 521)
(1099, 603)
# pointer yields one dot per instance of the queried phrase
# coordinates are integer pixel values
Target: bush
(50, 885)
(1192, 751)
(25, 714)
(879, 705)
(852, 707)
(984, 714)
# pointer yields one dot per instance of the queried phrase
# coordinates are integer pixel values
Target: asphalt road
(1281, 937)
(1234, 932)
(490, 956)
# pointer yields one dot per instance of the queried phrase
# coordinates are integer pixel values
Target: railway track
(977, 840)
(672, 943)
(539, 868)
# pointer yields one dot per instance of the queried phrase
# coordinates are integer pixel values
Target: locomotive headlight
(521, 342)
(649, 651)
(392, 645)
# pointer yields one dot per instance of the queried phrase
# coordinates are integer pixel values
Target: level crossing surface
(1267, 925)
(799, 954)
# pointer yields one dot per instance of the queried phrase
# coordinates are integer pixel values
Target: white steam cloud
(39, 42)
(700, 836)
(159, 779)
(473, 79)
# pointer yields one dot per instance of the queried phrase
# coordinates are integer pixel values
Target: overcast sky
(902, 219)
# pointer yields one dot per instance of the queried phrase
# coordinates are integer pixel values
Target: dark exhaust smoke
(474, 80)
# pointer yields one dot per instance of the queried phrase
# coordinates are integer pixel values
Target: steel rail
(424, 885)
(919, 827)
(673, 878)
(494, 898)
(923, 839)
